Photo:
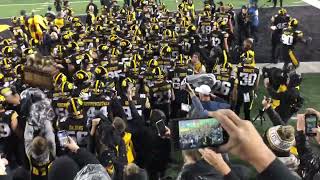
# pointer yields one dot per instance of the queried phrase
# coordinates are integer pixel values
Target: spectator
(197, 168)
(200, 107)
(196, 64)
(153, 152)
(94, 7)
(243, 25)
(66, 167)
(280, 139)
(309, 168)
(245, 142)
(254, 20)
(133, 172)
(58, 5)
(275, 3)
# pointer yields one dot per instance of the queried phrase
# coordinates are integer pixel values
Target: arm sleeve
(198, 107)
(276, 171)
(117, 109)
(274, 117)
(50, 137)
(308, 160)
(91, 144)
(136, 118)
(83, 158)
(28, 136)
(231, 176)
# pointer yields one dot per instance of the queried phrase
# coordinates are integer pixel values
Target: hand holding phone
(311, 122)
(63, 138)
(161, 127)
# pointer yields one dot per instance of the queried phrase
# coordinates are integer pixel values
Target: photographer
(284, 92)
(309, 161)
(153, 152)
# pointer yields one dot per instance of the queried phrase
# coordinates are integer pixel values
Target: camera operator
(284, 92)
(309, 161)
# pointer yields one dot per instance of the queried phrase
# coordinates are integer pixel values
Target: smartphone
(198, 133)
(161, 127)
(311, 122)
(63, 137)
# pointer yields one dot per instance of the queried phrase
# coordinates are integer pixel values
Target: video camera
(276, 76)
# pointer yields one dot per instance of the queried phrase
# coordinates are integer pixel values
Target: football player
(76, 123)
(289, 39)
(278, 23)
(247, 80)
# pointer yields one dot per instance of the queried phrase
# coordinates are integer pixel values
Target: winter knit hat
(63, 168)
(280, 139)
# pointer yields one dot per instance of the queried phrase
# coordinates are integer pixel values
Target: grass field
(9, 8)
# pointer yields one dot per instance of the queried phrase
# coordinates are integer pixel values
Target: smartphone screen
(63, 137)
(311, 122)
(161, 127)
(200, 133)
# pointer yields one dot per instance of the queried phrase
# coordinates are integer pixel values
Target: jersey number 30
(247, 79)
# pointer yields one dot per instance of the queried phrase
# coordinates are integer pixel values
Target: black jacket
(199, 170)
(288, 105)
(309, 161)
(153, 152)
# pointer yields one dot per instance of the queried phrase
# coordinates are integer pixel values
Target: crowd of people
(105, 81)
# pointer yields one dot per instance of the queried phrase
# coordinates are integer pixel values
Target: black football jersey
(139, 102)
(160, 93)
(114, 69)
(5, 124)
(95, 105)
(247, 78)
(76, 128)
(290, 36)
(177, 75)
(60, 106)
(217, 39)
(224, 85)
(281, 22)
(205, 27)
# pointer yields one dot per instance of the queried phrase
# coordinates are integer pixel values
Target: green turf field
(9, 8)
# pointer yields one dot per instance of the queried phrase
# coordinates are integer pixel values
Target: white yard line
(315, 3)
